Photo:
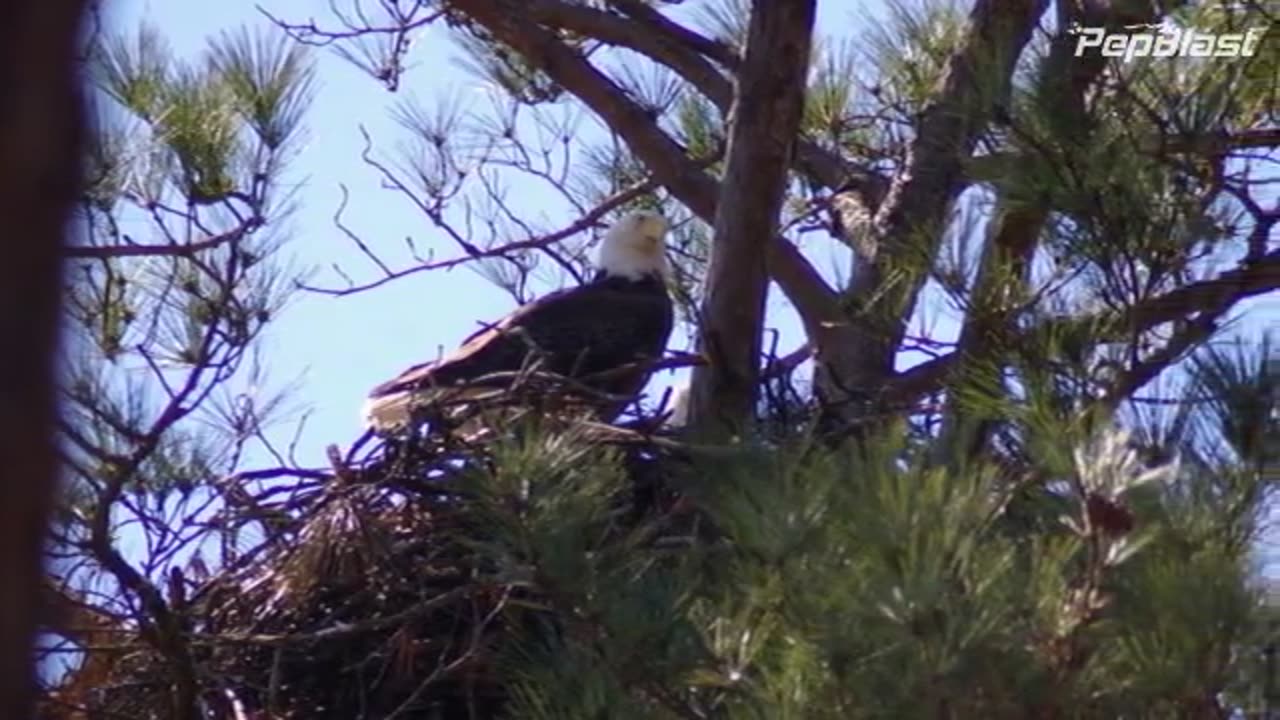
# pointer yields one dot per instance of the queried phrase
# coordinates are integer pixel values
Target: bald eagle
(605, 333)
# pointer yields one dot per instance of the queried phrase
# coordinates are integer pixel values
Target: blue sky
(338, 347)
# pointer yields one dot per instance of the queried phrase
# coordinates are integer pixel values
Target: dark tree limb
(816, 302)
(1187, 303)
(908, 226)
(1184, 340)
(190, 249)
(41, 131)
(1000, 287)
(1207, 296)
(642, 12)
(765, 121)
(694, 58)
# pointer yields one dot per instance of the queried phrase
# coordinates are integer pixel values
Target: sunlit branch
(588, 220)
(185, 250)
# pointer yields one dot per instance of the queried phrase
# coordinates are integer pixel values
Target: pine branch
(1006, 258)
(1205, 298)
(816, 302)
(908, 226)
(990, 167)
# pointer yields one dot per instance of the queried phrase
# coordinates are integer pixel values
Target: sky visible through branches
(339, 347)
(333, 349)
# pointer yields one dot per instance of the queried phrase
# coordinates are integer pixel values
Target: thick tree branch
(1006, 259)
(686, 53)
(664, 41)
(908, 226)
(1143, 371)
(815, 301)
(41, 130)
(1207, 298)
(766, 119)
(714, 49)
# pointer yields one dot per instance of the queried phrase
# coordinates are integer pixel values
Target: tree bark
(838, 337)
(40, 135)
(816, 302)
(765, 121)
(909, 225)
(1006, 259)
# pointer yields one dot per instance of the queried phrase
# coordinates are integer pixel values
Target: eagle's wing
(485, 351)
(581, 331)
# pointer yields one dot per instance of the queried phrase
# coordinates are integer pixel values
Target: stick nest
(367, 599)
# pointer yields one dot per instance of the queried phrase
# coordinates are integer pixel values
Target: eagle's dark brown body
(605, 333)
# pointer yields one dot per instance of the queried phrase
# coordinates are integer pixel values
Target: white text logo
(1162, 41)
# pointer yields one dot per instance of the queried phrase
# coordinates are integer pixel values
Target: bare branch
(167, 250)
(817, 303)
(779, 367)
(588, 220)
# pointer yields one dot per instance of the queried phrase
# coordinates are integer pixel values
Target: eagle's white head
(635, 247)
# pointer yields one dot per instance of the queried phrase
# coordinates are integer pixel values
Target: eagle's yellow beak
(652, 225)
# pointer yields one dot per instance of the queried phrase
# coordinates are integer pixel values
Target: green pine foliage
(173, 275)
(1049, 533)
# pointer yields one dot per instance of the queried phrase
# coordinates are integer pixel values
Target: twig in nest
(341, 472)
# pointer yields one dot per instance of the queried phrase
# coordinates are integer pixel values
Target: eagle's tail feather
(388, 412)
(394, 411)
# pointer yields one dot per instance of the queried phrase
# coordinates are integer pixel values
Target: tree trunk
(908, 227)
(40, 135)
(765, 121)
